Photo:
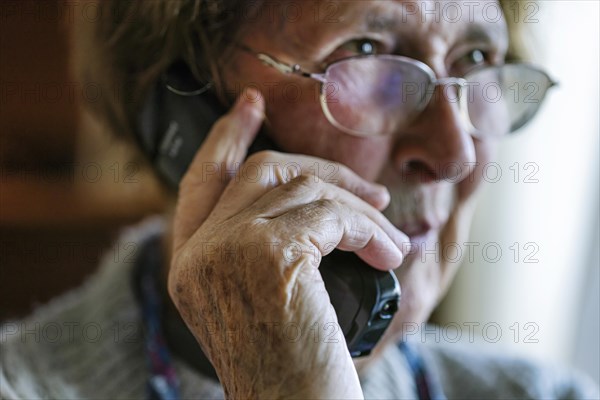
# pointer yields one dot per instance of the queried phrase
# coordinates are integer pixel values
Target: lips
(420, 211)
(415, 229)
(419, 232)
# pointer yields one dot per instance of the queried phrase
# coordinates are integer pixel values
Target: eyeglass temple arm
(282, 67)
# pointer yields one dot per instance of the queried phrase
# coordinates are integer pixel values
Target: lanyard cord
(162, 383)
(427, 389)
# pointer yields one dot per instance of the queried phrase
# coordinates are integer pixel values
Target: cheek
(297, 125)
(485, 152)
(458, 226)
(296, 122)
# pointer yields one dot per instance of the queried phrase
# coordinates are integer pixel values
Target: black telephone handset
(176, 117)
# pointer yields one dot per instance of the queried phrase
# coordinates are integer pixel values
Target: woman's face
(431, 167)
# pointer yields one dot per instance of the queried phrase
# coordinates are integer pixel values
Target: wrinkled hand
(244, 272)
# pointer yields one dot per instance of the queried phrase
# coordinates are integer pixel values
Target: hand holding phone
(209, 288)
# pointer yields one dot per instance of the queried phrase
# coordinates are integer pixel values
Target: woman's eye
(470, 60)
(476, 57)
(361, 46)
(356, 47)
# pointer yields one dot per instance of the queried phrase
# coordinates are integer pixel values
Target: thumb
(217, 160)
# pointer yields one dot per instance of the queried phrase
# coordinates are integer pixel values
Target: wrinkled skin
(246, 251)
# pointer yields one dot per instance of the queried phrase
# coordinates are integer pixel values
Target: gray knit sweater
(88, 344)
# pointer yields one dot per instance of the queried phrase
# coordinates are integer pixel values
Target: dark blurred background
(65, 190)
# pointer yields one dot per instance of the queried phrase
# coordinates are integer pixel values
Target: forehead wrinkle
(303, 37)
(381, 16)
(299, 35)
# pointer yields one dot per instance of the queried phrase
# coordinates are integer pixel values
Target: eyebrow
(490, 33)
(474, 32)
(376, 22)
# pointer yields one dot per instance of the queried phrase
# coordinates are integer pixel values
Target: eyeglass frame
(434, 81)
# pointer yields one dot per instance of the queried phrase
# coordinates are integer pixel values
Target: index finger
(223, 150)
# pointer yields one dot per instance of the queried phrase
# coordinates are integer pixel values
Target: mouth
(419, 232)
(420, 212)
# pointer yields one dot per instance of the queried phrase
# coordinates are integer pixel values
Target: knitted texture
(88, 343)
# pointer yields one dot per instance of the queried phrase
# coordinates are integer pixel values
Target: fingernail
(252, 99)
(405, 248)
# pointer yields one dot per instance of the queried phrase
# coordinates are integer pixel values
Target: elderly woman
(381, 108)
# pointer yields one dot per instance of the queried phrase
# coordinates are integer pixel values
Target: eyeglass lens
(378, 96)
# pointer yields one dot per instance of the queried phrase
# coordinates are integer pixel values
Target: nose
(437, 145)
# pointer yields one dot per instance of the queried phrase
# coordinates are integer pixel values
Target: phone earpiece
(175, 118)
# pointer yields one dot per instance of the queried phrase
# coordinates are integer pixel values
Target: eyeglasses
(372, 95)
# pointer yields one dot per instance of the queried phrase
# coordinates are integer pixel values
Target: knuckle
(299, 184)
(329, 204)
(262, 157)
(325, 209)
(305, 184)
(303, 180)
(316, 181)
